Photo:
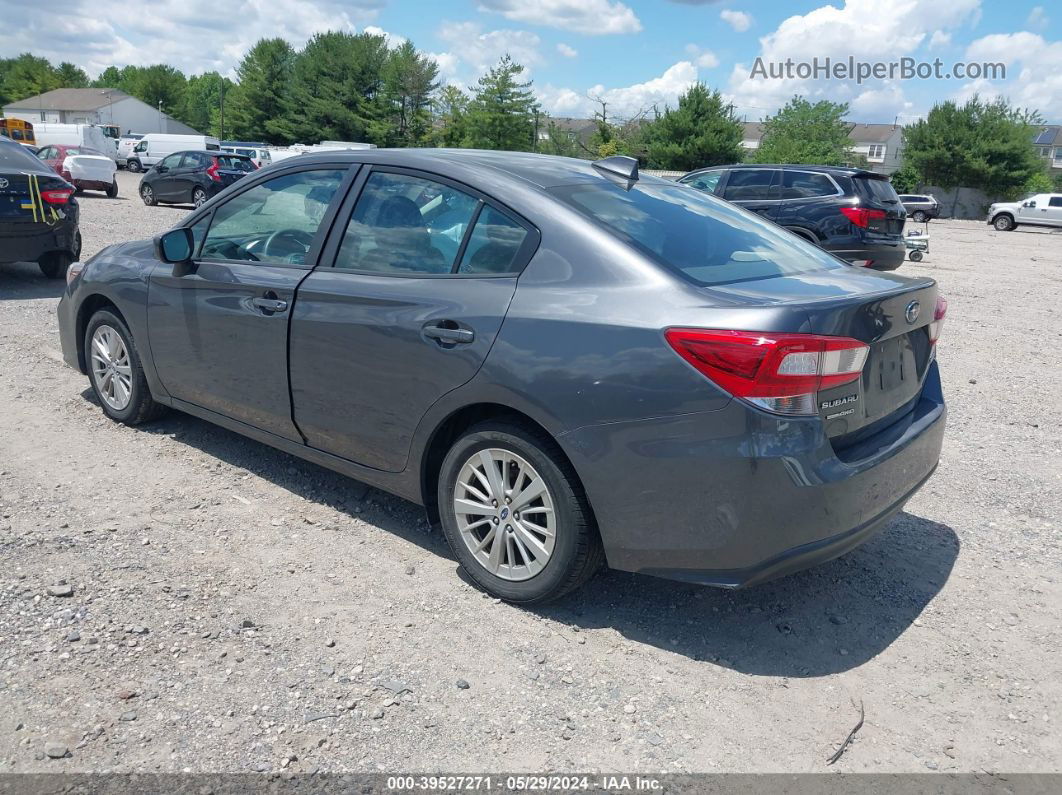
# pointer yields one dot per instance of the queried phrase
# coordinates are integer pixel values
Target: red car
(84, 168)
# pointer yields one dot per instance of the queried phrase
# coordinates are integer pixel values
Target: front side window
(752, 184)
(707, 240)
(705, 182)
(404, 224)
(171, 162)
(273, 222)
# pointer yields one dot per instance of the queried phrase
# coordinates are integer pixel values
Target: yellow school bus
(17, 130)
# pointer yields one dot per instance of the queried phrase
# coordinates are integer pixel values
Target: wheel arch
(803, 232)
(89, 307)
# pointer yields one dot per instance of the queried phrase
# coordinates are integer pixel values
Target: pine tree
(501, 114)
(257, 103)
(409, 80)
(701, 131)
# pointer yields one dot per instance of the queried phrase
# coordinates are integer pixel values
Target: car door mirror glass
(174, 246)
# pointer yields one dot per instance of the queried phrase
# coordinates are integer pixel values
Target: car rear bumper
(24, 242)
(883, 256)
(737, 496)
(91, 184)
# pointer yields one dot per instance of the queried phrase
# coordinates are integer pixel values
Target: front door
(218, 327)
(166, 182)
(405, 306)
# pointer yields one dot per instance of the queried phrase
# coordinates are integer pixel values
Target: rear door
(756, 189)
(411, 291)
(1054, 210)
(218, 328)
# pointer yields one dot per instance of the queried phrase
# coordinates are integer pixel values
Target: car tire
(199, 197)
(54, 264)
(133, 166)
(112, 191)
(1003, 223)
(919, 217)
(147, 195)
(916, 256)
(568, 550)
(129, 401)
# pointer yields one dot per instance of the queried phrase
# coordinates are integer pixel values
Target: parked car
(125, 147)
(84, 168)
(258, 152)
(38, 212)
(920, 208)
(563, 361)
(153, 147)
(1041, 209)
(852, 213)
(192, 177)
(84, 136)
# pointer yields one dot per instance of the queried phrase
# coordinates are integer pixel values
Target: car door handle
(270, 304)
(450, 335)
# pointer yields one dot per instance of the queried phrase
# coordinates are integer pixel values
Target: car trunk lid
(876, 193)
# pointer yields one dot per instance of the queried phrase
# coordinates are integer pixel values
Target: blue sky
(636, 54)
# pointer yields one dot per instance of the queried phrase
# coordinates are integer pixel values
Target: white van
(155, 146)
(88, 136)
(259, 154)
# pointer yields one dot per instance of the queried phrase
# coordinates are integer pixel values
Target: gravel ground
(177, 597)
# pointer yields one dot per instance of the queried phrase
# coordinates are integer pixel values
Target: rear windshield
(18, 157)
(229, 163)
(879, 189)
(707, 240)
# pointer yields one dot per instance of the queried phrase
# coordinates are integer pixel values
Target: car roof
(544, 171)
(846, 171)
(211, 152)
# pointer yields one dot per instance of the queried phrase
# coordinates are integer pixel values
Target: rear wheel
(115, 371)
(1004, 223)
(515, 515)
(919, 217)
(148, 195)
(133, 166)
(54, 263)
(112, 191)
(199, 197)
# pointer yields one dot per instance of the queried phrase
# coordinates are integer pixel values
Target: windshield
(706, 239)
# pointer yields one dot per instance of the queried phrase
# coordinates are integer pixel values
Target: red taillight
(212, 171)
(778, 372)
(57, 196)
(862, 216)
(938, 319)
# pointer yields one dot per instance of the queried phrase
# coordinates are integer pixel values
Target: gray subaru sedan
(567, 363)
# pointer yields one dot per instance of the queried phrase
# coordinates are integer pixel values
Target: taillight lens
(938, 320)
(781, 373)
(212, 171)
(862, 216)
(57, 196)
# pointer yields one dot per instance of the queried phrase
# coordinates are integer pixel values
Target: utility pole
(222, 107)
(160, 116)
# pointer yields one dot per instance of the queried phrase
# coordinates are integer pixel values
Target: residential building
(95, 106)
(1048, 145)
(880, 144)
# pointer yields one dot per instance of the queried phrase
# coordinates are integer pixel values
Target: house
(880, 144)
(95, 106)
(576, 130)
(1048, 145)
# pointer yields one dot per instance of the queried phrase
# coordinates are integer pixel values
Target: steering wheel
(304, 239)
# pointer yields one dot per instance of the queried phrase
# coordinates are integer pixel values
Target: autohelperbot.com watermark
(850, 68)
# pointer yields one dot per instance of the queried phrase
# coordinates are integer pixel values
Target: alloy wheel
(112, 372)
(505, 514)
(199, 198)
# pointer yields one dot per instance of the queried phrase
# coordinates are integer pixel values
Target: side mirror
(174, 246)
(161, 168)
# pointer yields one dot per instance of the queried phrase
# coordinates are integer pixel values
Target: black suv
(852, 213)
(192, 177)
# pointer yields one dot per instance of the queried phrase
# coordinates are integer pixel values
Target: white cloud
(862, 28)
(1037, 85)
(625, 102)
(939, 39)
(738, 20)
(1037, 18)
(591, 17)
(392, 39)
(479, 51)
(566, 51)
(706, 59)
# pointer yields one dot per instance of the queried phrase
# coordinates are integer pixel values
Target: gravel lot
(235, 609)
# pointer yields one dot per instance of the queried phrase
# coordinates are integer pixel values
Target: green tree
(257, 104)
(701, 131)
(202, 103)
(906, 179)
(409, 80)
(335, 90)
(156, 84)
(450, 110)
(807, 132)
(558, 142)
(501, 114)
(70, 76)
(979, 144)
(28, 75)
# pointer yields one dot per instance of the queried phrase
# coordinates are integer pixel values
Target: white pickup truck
(1043, 209)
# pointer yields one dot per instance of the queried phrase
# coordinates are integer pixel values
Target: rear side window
(496, 240)
(706, 240)
(1056, 201)
(806, 185)
(878, 189)
(750, 184)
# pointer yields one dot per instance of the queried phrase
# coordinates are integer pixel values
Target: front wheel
(515, 515)
(115, 371)
(1004, 223)
(133, 166)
